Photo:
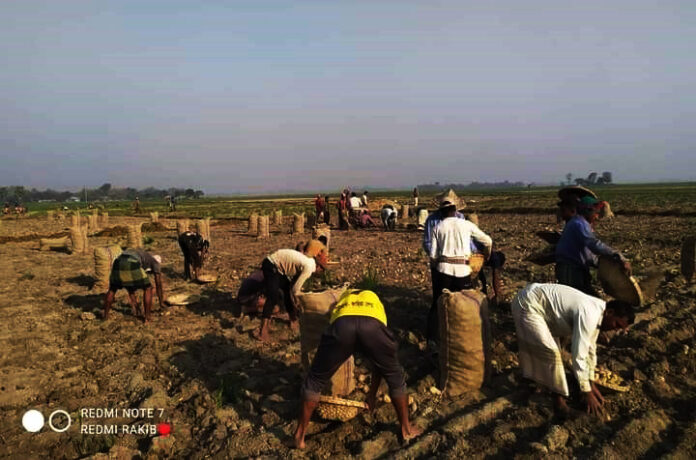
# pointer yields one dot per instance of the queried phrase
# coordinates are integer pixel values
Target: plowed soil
(227, 396)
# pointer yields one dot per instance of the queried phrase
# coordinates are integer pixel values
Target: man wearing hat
(450, 250)
(130, 272)
(578, 248)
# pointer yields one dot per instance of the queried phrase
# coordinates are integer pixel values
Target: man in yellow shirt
(358, 323)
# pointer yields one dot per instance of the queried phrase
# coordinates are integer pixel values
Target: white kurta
(545, 312)
(452, 238)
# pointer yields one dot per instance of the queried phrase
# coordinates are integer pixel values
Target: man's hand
(295, 302)
(594, 406)
(595, 391)
(627, 267)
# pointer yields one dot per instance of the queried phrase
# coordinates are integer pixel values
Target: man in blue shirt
(578, 248)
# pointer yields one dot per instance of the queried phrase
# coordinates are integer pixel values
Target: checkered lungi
(128, 273)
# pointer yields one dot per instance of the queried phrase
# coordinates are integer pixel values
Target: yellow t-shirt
(355, 302)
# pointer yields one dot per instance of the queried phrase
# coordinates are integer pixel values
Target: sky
(266, 96)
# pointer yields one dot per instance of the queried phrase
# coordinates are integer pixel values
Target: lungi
(539, 352)
(128, 273)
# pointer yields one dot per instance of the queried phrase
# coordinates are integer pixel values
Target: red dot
(164, 429)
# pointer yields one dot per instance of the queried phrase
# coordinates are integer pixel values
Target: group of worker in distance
(545, 315)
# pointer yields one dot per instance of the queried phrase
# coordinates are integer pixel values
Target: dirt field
(226, 396)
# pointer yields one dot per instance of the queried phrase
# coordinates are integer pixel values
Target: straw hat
(617, 283)
(577, 191)
(449, 198)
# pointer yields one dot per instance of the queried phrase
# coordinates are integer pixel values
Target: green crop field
(650, 199)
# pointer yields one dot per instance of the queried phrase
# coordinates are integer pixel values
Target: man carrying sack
(578, 248)
(450, 249)
(129, 272)
(544, 313)
(358, 323)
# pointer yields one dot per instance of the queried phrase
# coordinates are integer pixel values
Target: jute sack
(200, 228)
(182, 226)
(298, 223)
(93, 222)
(404, 211)
(264, 231)
(278, 217)
(254, 224)
(207, 228)
(154, 217)
(422, 217)
(605, 211)
(314, 320)
(135, 237)
(85, 241)
(78, 243)
(464, 340)
(105, 219)
(75, 219)
(322, 230)
(103, 260)
(46, 244)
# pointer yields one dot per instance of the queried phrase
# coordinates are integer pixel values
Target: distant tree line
(17, 194)
(438, 187)
(592, 179)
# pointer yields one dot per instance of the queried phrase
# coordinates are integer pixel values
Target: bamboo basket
(333, 408)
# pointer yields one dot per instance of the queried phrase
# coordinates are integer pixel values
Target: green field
(631, 199)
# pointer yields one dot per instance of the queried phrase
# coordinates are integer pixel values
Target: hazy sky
(268, 95)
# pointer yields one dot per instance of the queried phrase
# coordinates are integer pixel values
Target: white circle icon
(33, 421)
(59, 412)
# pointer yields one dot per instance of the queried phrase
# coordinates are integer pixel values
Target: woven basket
(207, 278)
(617, 283)
(476, 262)
(182, 299)
(332, 408)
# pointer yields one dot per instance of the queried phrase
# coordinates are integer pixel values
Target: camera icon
(59, 421)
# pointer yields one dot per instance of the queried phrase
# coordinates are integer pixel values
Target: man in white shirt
(543, 314)
(355, 202)
(285, 270)
(450, 250)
